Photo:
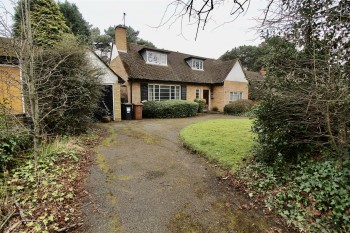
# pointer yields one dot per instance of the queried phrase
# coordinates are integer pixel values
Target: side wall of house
(117, 66)
(10, 89)
(117, 107)
(218, 98)
(230, 86)
(136, 93)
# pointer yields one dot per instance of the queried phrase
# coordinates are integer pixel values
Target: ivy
(313, 195)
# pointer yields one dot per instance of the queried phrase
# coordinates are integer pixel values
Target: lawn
(226, 141)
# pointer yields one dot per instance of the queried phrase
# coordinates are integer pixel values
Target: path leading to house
(144, 181)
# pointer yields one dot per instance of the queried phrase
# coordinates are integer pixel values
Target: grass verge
(226, 141)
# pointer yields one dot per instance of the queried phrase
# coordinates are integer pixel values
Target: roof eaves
(154, 49)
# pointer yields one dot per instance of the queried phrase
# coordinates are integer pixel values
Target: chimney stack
(120, 38)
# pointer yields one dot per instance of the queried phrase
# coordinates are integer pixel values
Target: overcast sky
(145, 16)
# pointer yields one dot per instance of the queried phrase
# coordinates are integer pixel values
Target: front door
(206, 97)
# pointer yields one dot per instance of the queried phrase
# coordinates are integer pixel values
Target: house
(158, 74)
(11, 98)
(111, 82)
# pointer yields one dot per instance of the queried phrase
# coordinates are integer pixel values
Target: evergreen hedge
(169, 109)
(238, 107)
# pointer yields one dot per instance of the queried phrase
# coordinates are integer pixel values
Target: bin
(138, 111)
(126, 111)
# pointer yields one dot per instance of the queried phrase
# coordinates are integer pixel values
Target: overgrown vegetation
(238, 107)
(14, 138)
(313, 195)
(69, 96)
(61, 90)
(227, 141)
(43, 198)
(169, 109)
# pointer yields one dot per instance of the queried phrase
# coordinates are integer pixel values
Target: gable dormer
(196, 63)
(155, 56)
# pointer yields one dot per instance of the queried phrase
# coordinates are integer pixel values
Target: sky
(219, 36)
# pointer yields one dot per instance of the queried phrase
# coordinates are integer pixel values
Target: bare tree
(200, 12)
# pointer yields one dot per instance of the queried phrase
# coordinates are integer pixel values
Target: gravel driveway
(143, 180)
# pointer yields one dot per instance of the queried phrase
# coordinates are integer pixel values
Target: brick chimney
(120, 38)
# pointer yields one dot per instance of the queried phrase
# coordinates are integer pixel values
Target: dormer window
(197, 64)
(156, 58)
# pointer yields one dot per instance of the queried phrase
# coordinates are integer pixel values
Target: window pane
(163, 92)
(150, 92)
(236, 96)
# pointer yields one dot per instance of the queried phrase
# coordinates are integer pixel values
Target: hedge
(169, 109)
(238, 107)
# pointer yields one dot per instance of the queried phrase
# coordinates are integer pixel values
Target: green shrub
(169, 109)
(73, 90)
(238, 107)
(201, 104)
(13, 139)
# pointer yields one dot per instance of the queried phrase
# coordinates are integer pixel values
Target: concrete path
(144, 181)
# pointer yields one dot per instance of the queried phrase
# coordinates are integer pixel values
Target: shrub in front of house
(169, 109)
(201, 104)
(238, 107)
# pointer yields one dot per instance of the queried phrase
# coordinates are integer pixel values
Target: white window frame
(163, 58)
(236, 95)
(176, 95)
(193, 64)
(198, 93)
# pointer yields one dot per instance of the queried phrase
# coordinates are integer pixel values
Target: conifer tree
(47, 22)
(74, 19)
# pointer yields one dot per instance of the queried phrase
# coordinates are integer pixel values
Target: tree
(200, 12)
(249, 55)
(103, 43)
(46, 21)
(132, 36)
(75, 20)
(307, 104)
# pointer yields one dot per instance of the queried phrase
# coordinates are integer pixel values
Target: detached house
(157, 74)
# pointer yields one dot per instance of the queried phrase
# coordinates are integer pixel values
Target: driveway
(143, 180)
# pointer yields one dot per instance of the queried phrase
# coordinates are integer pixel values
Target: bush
(238, 107)
(13, 139)
(73, 90)
(201, 104)
(169, 109)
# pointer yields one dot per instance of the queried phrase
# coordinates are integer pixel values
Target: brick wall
(136, 93)
(120, 38)
(10, 89)
(218, 98)
(221, 94)
(117, 107)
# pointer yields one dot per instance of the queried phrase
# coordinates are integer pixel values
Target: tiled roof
(177, 70)
(253, 75)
